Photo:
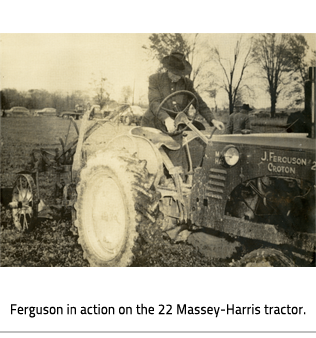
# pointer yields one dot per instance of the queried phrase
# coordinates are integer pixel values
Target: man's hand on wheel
(169, 123)
(218, 124)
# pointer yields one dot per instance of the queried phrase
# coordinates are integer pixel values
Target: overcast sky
(66, 62)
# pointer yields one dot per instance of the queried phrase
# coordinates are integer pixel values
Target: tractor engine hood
(288, 141)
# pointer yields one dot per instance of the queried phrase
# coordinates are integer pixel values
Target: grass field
(20, 135)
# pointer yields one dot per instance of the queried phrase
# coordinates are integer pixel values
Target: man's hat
(177, 64)
(246, 107)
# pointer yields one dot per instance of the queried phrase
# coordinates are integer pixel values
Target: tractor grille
(216, 183)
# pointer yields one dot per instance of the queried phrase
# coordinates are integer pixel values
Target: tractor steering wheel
(173, 113)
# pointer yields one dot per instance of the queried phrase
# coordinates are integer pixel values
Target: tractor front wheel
(112, 200)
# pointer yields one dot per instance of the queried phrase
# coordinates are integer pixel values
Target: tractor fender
(77, 162)
(144, 149)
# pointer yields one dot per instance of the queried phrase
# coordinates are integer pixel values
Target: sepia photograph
(158, 150)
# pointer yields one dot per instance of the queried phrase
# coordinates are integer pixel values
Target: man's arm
(154, 98)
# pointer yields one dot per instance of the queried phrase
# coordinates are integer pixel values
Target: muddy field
(53, 242)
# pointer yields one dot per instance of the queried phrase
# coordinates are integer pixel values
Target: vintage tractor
(255, 188)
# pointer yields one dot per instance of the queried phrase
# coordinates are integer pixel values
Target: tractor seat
(157, 137)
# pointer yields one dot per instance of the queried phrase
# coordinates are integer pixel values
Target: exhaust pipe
(313, 101)
(310, 98)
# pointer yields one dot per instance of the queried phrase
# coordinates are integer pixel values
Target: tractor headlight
(230, 155)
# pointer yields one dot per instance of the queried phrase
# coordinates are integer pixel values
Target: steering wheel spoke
(186, 109)
(181, 128)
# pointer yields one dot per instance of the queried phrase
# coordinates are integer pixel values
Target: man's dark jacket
(237, 122)
(160, 86)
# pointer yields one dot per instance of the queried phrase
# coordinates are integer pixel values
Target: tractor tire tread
(135, 176)
(266, 257)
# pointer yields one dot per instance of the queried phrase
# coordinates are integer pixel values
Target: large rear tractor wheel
(265, 257)
(113, 203)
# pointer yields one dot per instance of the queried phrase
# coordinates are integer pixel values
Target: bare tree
(294, 89)
(298, 48)
(100, 88)
(200, 57)
(126, 93)
(273, 55)
(162, 44)
(212, 92)
(190, 45)
(233, 70)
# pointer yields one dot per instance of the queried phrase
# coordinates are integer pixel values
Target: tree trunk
(273, 104)
(215, 104)
(231, 107)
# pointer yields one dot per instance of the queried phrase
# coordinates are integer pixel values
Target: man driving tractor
(161, 85)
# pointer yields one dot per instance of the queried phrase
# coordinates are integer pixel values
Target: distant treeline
(39, 98)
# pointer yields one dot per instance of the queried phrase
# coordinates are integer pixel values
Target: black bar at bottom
(158, 310)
